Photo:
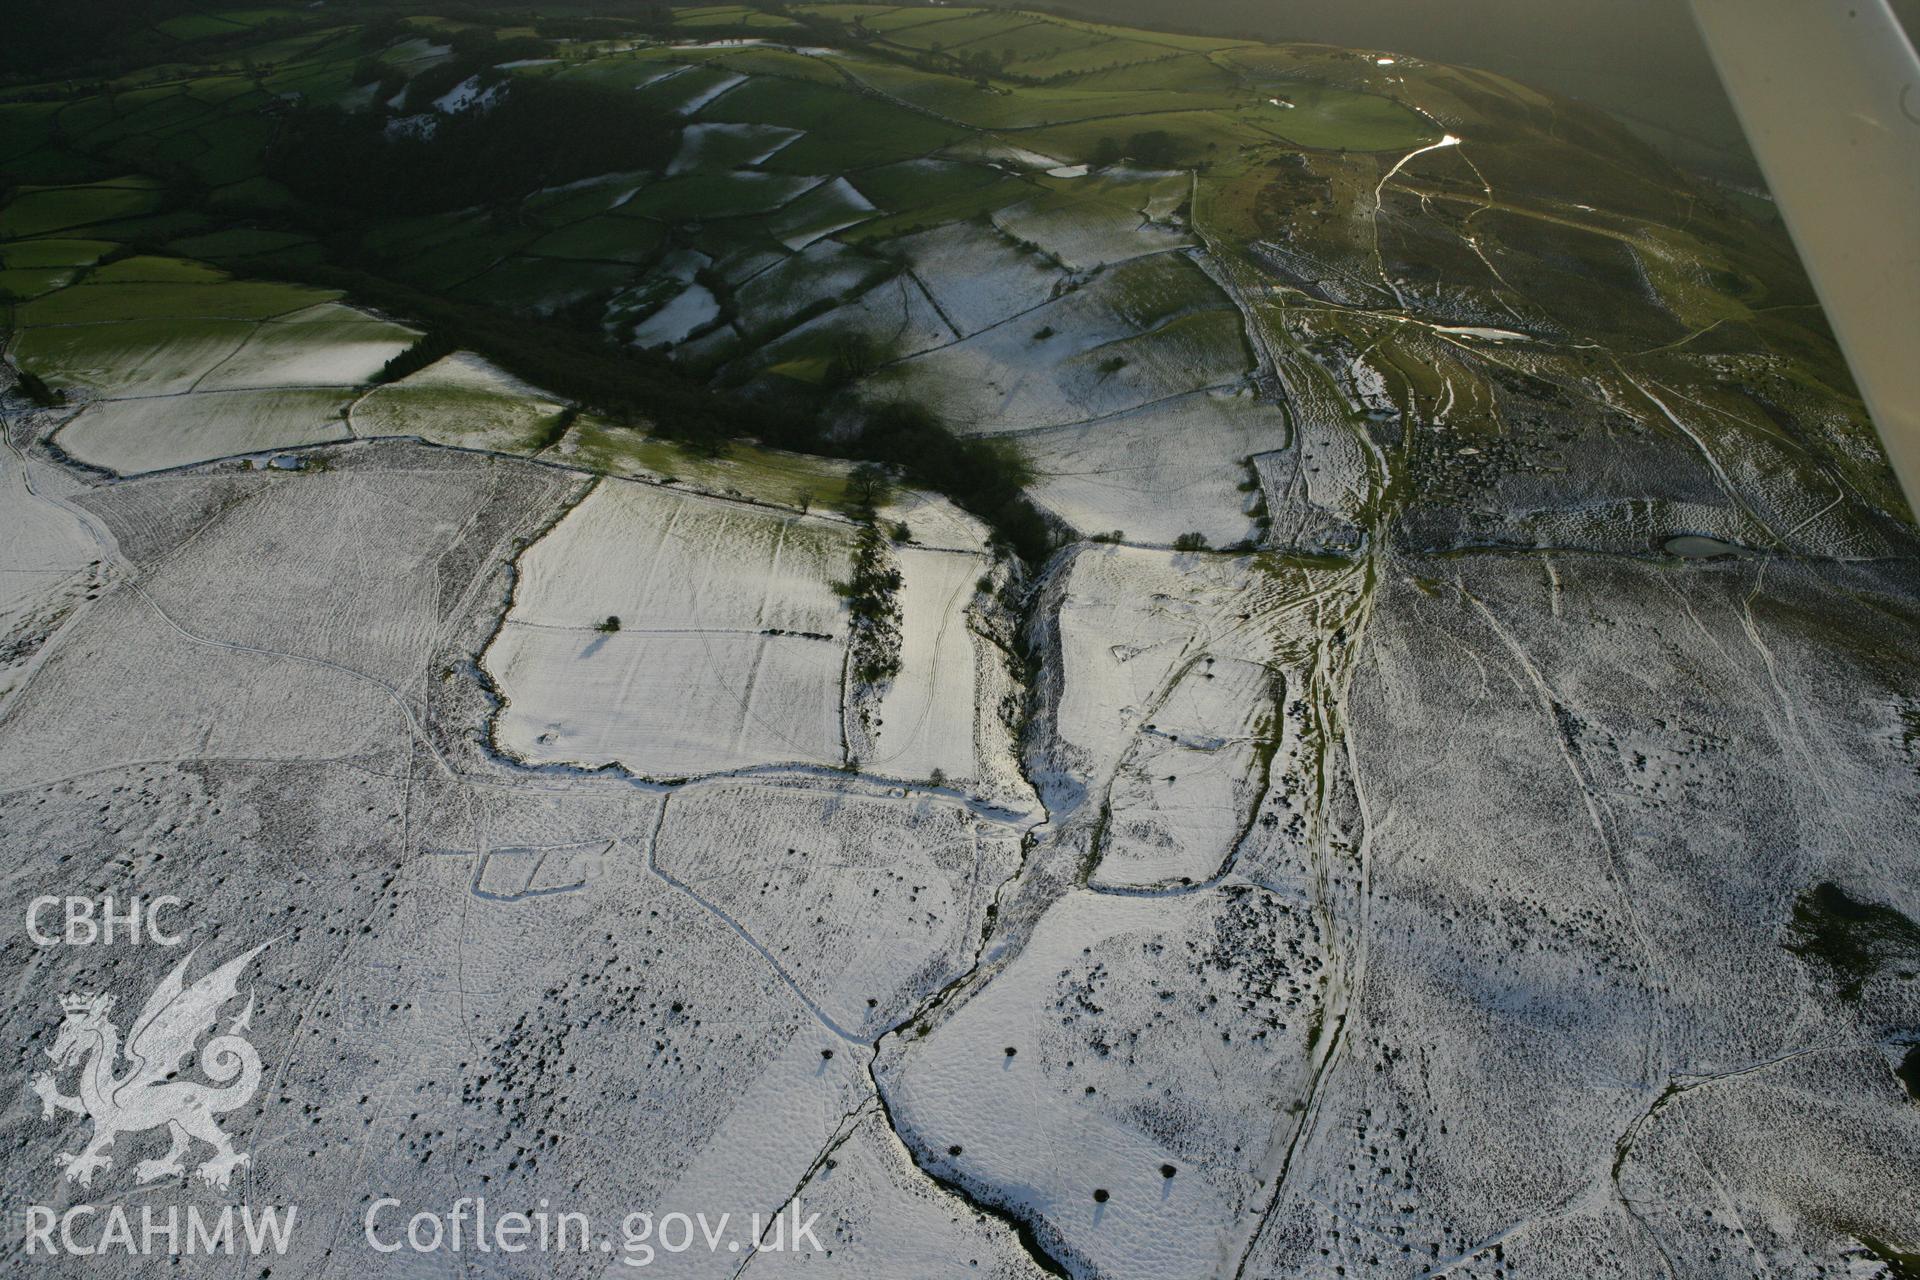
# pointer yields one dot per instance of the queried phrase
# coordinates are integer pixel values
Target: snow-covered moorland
(1437, 797)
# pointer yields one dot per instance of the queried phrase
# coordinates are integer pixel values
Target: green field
(728, 194)
(23, 283)
(1335, 119)
(815, 154)
(104, 303)
(605, 239)
(22, 255)
(38, 211)
(766, 475)
(239, 243)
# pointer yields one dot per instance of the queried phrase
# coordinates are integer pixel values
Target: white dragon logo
(151, 1093)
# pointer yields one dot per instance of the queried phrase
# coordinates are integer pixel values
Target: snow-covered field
(1135, 336)
(930, 714)
(167, 392)
(682, 314)
(1132, 627)
(157, 432)
(1181, 797)
(881, 1216)
(54, 557)
(131, 358)
(978, 276)
(826, 269)
(1157, 472)
(870, 912)
(898, 309)
(1600, 765)
(727, 146)
(1144, 1048)
(323, 346)
(270, 695)
(1088, 223)
(285, 595)
(830, 207)
(729, 645)
(460, 400)
(1351, 874)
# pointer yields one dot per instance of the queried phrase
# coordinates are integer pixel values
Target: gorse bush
(872, 595)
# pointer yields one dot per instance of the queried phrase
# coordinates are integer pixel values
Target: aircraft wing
(1829, 94)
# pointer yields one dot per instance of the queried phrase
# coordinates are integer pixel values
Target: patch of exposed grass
(795, 480)
(40, 210)
(1851, 938)
(1901, 1264)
